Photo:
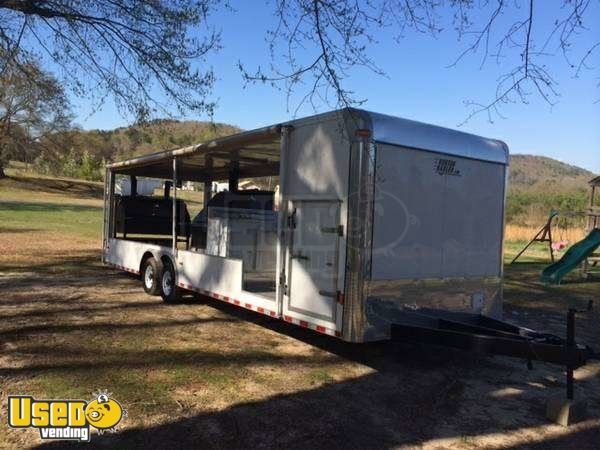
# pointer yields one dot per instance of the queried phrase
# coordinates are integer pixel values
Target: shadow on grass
(88, 361)
(395, 406)
(45, 208)
(72, 265)
(16, 230)
(98, 327)
(76, 188)
(105, 306)
(522, 286)
(416, 394)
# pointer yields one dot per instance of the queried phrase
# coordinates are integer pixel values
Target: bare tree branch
(328, 39)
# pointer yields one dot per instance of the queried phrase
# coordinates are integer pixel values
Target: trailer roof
(423, 136)
(257, 151)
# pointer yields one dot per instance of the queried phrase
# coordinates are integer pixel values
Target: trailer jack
(481, 334)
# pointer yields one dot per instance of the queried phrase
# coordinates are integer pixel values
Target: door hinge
(282, 283)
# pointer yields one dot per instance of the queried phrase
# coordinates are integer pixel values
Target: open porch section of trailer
(238, 262)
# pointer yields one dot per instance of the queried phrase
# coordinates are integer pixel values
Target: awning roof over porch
(256, 152)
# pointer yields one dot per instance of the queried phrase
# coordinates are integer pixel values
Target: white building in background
(145, 186)
(243, 185)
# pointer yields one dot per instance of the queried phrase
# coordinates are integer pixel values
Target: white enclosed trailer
(376, 216)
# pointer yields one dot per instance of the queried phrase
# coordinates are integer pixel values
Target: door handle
(300, 256)
(339, 230)
(328, 294)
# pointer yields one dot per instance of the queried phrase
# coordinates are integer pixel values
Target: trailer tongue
(481, 334)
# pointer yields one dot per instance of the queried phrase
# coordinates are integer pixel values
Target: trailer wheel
(169, 291)
(151, 276)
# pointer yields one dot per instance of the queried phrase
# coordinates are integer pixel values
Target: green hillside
(159, 135)
(538, 184)
(82, 153)
(530, 173)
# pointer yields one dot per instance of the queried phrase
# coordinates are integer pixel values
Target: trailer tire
(151, 276)
(169, 291)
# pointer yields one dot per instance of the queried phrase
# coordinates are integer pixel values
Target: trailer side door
(313, 260)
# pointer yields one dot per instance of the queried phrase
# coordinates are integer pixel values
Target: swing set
(544, 235)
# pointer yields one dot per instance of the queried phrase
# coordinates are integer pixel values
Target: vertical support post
(591, 220)
(111, 232)
(282, 231)
(570, 343)
(550, 241)
(174, 197)
(133, 184)
(234, 176)
(106, 212)
(208, 183)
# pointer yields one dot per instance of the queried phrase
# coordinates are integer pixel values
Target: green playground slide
(554, 273)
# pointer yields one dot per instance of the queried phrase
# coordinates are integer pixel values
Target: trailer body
(375, 216)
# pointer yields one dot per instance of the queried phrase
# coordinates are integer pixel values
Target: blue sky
(419, 85)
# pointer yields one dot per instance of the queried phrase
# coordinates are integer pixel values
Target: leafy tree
(140, 52)
(33, 106)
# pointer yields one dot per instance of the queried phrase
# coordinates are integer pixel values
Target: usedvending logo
(66, 419)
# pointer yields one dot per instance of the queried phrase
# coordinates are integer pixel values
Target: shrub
(71, 164)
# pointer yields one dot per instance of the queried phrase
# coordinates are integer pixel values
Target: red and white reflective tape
(226, 299)
(312, 326)
(261, 310)
(126, 269)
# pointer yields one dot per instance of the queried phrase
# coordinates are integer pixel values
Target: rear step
(477, 333)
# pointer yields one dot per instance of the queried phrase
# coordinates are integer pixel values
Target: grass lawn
(71, 220)
(209, 375)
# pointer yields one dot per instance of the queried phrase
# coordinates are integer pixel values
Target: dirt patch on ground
(207, 374)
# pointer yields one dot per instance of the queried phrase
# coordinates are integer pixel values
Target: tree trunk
(2, 174)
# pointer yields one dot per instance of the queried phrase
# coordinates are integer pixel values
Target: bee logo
(104, 413)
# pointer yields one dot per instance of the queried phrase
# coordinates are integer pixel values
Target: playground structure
(577, 255)
(593, 223)
(583, 253)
